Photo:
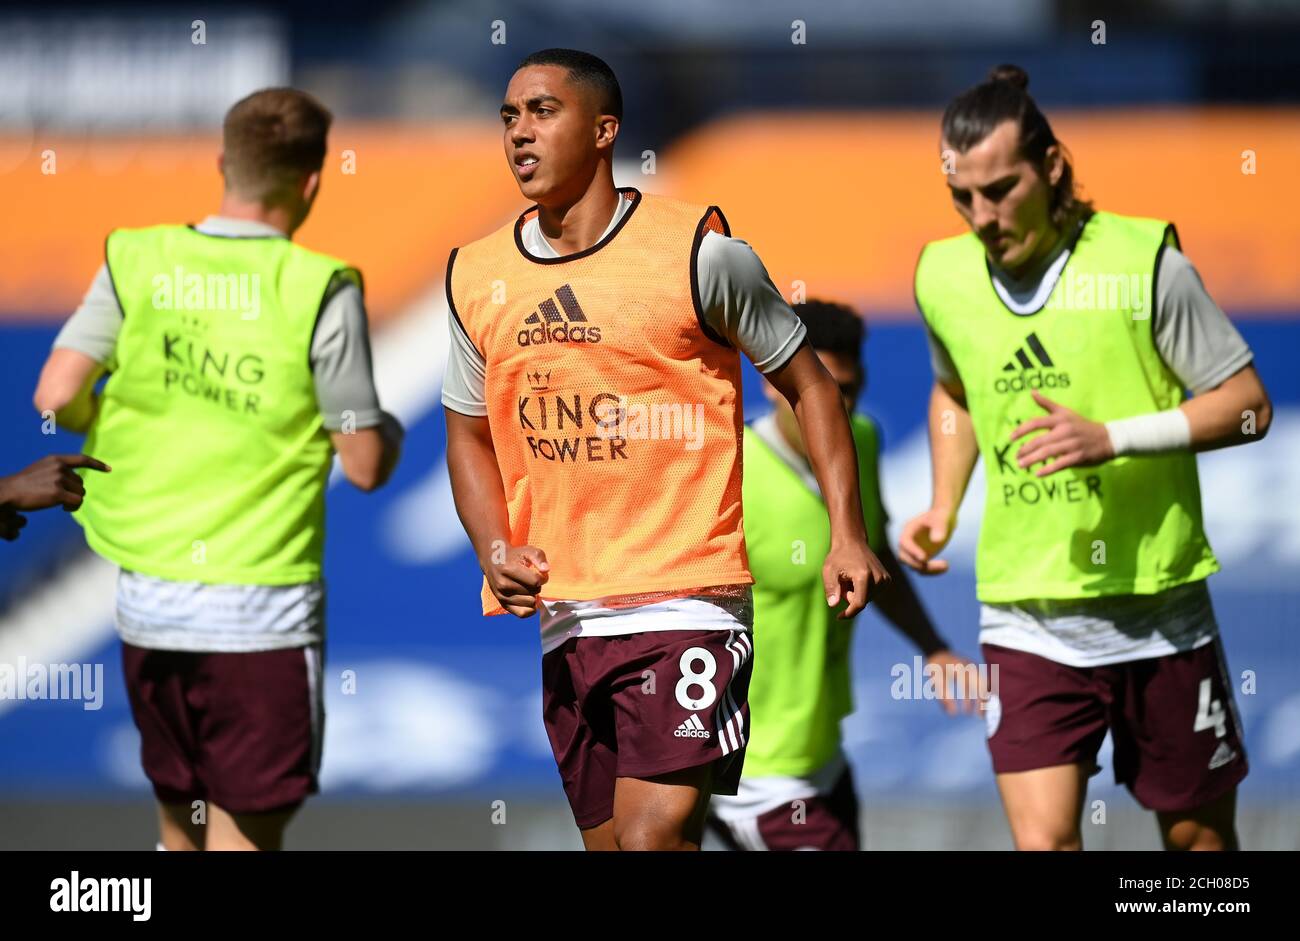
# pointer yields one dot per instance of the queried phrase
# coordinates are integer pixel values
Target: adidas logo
(1027, 374)
(691, 728)
(1222, 755)
(548, 325)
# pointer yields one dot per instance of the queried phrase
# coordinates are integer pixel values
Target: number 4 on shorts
(1209, 713)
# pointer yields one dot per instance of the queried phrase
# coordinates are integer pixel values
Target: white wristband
(1150, 434)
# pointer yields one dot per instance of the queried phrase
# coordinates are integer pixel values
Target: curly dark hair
(833, 328)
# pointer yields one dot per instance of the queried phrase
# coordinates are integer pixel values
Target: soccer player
(1063, 340)
(594, 425)
(239, 362)
(796, 792)
(48, 482)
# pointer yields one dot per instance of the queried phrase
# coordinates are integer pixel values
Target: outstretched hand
(51, 481)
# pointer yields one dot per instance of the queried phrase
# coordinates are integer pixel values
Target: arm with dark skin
(51, 481)
(851, 569)
(902, 608)
(515, 574)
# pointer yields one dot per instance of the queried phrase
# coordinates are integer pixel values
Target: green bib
(1129, 526)
(209, 418)
(801, 686)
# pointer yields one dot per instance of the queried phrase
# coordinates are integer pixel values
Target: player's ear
(1053, 164)
(606, 130)
(310, 186)
(221, 164)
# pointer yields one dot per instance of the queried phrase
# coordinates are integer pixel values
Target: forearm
(953, 449)
(1237, 411)
(824, 425)
(66, 389)
(901, 607)
(478, 493)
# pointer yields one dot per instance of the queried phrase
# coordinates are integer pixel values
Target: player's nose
(522, 131)
(983, 217)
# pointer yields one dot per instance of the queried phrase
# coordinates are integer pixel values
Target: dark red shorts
(1172, 719)
(242, 730)
(825, 822)
(642, 705)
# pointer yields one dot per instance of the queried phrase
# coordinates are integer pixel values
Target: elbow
(58, 385)
(50, 400)
(367, 459)
(1263, 413)
(367, 480)
(370, 475)
(364, 484)
(66, 379)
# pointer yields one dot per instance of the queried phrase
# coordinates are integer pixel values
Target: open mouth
(525, 165)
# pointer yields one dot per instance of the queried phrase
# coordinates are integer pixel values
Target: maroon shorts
(642, 705)
(1172, 719)
(242, 730)
(825, 822)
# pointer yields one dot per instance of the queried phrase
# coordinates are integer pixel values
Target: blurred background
(814, 126)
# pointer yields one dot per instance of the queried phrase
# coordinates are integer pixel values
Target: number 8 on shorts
(691, 679)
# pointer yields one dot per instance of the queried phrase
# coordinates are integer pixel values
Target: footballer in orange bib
(592, 398)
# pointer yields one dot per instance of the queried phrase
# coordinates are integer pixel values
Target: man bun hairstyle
(1012, 74)
(1004, 96)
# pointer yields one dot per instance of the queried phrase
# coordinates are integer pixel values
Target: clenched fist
(518, 578)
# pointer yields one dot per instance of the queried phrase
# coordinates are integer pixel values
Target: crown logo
(193, 323)
(539, 381)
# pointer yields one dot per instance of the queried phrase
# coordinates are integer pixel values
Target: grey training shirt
(740, 303)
